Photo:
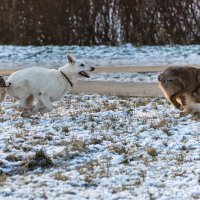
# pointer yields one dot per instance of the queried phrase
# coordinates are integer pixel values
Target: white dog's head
(79, 66)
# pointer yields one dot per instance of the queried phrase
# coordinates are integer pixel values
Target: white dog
(44, 85)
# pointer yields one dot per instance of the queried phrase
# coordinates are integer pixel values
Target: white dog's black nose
(92, 69)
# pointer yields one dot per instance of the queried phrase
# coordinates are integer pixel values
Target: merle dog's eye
(170, 80)
(82, 65)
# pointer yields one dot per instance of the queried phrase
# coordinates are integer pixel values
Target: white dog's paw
(43, 111)
(25, 114)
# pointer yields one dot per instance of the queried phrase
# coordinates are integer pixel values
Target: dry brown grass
(40, 159)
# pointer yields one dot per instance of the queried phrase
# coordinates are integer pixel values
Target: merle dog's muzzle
(160, 77)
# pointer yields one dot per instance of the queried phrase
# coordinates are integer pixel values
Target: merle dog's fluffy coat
(181, 86)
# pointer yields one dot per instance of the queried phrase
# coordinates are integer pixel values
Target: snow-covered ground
(18, 57)
(102, 147)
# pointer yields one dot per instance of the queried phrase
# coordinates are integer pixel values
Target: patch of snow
(18, 57)
(102, 147)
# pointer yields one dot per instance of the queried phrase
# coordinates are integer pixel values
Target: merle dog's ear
(71, 59)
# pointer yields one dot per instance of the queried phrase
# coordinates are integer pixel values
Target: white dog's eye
(82, 65)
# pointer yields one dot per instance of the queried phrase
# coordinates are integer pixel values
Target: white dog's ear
(71, 59)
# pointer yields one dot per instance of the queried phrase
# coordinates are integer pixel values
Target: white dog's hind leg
(29, 102)
(23, 106)
(47, 105)
(34, 111)
(2, 94)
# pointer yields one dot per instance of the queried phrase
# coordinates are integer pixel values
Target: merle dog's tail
(2, 88)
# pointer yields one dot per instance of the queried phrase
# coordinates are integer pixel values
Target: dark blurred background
(95, 22)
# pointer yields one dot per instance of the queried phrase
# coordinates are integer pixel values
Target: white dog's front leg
(23, 106)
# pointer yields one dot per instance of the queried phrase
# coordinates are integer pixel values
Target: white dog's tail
(2, 89)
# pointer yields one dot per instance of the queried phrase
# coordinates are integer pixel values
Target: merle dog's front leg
(174, 101)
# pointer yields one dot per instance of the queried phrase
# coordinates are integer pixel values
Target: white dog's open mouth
(83, 73)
